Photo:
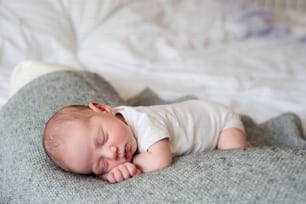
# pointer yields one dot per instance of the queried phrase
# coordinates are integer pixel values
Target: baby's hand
(121, 172)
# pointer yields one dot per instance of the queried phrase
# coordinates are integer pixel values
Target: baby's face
(98, 145)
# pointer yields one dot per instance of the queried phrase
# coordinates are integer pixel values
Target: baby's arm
(121, 172)
(158, 156)
(232, 138)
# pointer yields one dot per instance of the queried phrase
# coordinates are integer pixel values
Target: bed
(249, 55)
(259, 57)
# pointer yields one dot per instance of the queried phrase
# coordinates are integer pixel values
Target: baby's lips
(127, 152)
(121, 155)
(122, 152)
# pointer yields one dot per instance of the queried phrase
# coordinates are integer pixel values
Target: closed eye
(101, 137)
(105, 137)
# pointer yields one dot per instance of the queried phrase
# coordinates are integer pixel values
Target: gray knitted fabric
(269, 173)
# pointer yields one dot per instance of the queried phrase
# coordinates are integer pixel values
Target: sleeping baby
(117, 143)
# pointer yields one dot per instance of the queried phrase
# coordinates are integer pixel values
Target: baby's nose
(110, 153)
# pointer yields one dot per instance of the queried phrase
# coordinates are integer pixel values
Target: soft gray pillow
(255, 175)
(25, 169)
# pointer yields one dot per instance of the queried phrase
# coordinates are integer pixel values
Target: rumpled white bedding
(251, 59)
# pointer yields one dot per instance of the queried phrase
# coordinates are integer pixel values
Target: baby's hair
(53, 133)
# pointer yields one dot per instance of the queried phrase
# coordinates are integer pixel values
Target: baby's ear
(98, 107)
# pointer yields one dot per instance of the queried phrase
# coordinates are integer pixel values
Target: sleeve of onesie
(147, 128)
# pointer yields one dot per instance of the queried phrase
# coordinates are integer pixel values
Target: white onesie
(190, 126)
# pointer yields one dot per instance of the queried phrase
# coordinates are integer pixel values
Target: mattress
(249, 55)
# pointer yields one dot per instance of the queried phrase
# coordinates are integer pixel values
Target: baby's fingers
(122, 172)
(125, 171)
(118, 174)
(114, 176)
(109, 177)
(132, 169)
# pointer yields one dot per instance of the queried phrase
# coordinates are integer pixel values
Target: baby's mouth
(127, 152)
(124, 153)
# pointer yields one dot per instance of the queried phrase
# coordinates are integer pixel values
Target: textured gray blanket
(271, 172)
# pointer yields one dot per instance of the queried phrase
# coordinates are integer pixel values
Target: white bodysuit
(190, 126)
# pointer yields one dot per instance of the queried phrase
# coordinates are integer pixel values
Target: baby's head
(88, 139)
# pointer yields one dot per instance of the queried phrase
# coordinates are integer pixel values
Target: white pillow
(28, 70)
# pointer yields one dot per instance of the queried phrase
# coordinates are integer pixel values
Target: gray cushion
(266, 174)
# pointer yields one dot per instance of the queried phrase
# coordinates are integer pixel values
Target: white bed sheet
(227, 51)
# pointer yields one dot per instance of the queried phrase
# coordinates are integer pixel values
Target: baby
(122, 142)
